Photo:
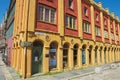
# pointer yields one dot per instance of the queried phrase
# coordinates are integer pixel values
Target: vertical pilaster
(87, 57)
(102, 26)
(114, 32)
(107, 55)
(93, 57)
(98, 56)
(61, 17)
(60, 58)
(17, 66)
(103, 59)
(45, 59)
(92, 22)
(79, 58)
(109, 31)
(70, 58)
(79, 3)
(28, 62)
(32, 15)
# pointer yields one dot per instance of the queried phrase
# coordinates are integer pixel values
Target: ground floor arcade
(54, 53)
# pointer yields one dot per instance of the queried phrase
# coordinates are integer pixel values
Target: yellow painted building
(40, 49)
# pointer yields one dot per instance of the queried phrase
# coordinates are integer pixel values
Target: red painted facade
(86, 18)
(97, 23)
(44, 25)
(116, 29)
(112, 30)
(9, 50)
(72, 12)
(105, 23)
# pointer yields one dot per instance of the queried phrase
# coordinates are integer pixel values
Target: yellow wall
(22, 55)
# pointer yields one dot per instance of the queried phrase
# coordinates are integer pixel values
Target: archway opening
(53, 56)
(37, 56)
(83, 54)
(75, 53)
(65, 55)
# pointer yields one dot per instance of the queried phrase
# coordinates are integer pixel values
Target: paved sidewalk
(70, 74)
(10, 74)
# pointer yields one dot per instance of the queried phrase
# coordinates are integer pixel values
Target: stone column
(18, 58)
(93, 57)
(79, 58)
(98, 56)
(87, 57)
(60, 58)
(45, 59)
(28, 62)
(107, 56)
(70, 58)
(103, 57)
(79, 3)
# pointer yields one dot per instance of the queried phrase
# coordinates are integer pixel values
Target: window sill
(47, 22)
(98, 36)
(87, 33)
(71, 29)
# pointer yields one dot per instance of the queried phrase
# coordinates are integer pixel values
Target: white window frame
(86, 11)
(49, 15)
(70, 3)
(97, 31)
(105, 22)
(68, 20)
(97, 17)
(112, 36)
(105, 34)
(86, 27)
(117, 38)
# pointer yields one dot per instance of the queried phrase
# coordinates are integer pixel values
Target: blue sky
(4, 4)
(113, 6)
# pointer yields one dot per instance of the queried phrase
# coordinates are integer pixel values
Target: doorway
(37, 56)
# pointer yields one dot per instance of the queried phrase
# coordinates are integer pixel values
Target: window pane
(40, 12)
(47, 14)
(71, 21)
(71, 4)
(74, 25)
(52, 16)
(67, 20)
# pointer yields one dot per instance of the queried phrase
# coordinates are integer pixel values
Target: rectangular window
(105, 34)
(97, 17)
(41, 12)
(112, 36)
(53, 16)
(85, 11)
(105, 22)
(46, 14)
(97, 31)
(117, 38)
(71, 4)
(70, 22)
(86, 27)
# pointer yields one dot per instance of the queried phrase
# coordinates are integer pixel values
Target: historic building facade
(9, 30)
(61, 35)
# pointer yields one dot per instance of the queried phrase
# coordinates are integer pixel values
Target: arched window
(75, 52)
(53, 56)
(65, 55)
